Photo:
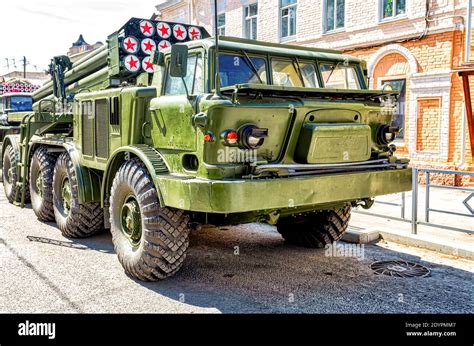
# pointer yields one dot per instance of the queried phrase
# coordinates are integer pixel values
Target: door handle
(145, 124)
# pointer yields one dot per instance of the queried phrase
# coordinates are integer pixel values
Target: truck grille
(87, 129)
(101, 128)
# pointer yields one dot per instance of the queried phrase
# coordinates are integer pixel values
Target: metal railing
(414, 220)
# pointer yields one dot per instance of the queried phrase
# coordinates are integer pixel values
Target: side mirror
(157, 58)
(179, 60)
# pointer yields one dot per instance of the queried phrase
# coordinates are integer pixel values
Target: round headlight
(252, 137)
(386, 134)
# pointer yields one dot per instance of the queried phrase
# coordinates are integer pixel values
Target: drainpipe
(467, 51)
(463, 136)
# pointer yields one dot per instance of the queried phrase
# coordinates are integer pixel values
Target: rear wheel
(74, 219)
(150, 240)
(315, 230)
(10, 175)
(41, 183)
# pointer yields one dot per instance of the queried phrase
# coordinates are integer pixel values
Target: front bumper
(245, 195)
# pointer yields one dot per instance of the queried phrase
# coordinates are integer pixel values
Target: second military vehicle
(162, 139)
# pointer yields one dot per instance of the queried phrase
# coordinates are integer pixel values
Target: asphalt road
(54, 274)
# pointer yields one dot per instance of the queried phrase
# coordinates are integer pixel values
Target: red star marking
(164, 45)
(164, 30)
(129, 45)
(149, 65)
(194, 32)
(146, 28)
(179, 32)
(132, 63)
(149, 46)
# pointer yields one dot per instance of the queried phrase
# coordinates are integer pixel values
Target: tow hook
(366, 203)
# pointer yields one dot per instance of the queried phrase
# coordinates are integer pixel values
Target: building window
(334, 14)
(251, 17)
(392, 8)
(221, 24)
(288, 18)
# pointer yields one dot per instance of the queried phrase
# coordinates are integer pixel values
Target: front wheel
(315, 230)
(150, 240)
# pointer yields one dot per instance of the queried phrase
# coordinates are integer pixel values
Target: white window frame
(394, 16)
(221, 28)
(250, 18)
(280, 16)
(325, 29)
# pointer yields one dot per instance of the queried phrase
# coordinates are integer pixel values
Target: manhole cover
(402, 269)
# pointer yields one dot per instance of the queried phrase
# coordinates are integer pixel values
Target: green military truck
(13, 107)
(159, 132)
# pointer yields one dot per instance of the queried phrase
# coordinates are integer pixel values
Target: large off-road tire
(150, 240)
(10, 175)
(41, 183)
(74, 219)
(315, 230)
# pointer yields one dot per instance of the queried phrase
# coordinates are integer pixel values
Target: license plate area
(333, 143)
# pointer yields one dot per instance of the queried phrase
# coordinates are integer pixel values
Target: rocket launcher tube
(80, 69)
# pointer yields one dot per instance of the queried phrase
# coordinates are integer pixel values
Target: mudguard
(151, 158)
(89, 183)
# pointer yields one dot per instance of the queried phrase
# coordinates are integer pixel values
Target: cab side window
(194, 79)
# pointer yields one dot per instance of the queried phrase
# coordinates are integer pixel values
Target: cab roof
(16, 94)
(262, 47)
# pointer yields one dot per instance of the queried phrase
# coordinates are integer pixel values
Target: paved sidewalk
(437, 238)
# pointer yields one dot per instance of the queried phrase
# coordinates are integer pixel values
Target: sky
(41, 29)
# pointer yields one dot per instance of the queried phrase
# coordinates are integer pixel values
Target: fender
(14, 141)
(152, 159)
(88, 182)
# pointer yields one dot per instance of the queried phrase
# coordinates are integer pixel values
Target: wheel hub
(131, 221)
(66, 195)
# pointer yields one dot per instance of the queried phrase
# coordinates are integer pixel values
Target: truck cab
(13, 107)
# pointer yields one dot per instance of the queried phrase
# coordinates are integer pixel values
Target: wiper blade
(296, 66)
(335, 67)
(250, 63)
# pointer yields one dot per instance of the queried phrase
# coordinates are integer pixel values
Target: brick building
(414, 45)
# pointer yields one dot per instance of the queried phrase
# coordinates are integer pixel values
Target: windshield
(20, 103)
(240, 68)
(286, 73)
(339, 76)
(237, 69)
